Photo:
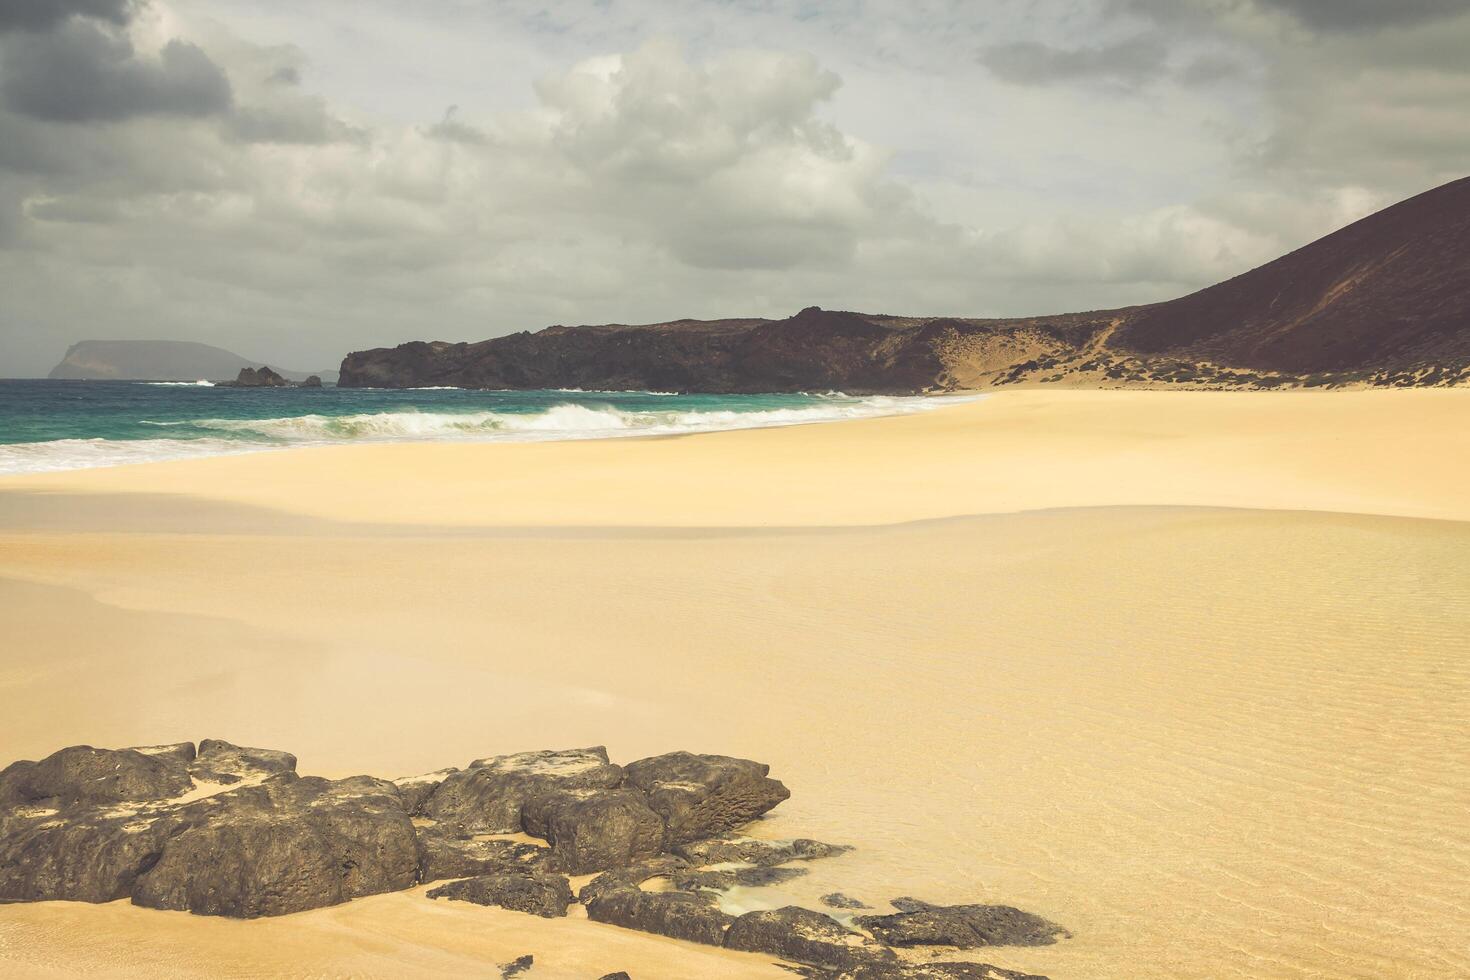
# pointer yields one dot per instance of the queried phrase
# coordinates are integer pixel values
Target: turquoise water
(60, 425)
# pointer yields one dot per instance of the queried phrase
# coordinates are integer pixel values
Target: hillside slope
(1391, 290)
(1384, 301)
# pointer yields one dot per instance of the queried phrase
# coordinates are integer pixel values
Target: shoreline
(1010, 452)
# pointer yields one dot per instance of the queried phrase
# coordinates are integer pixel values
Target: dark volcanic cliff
(1385, 300)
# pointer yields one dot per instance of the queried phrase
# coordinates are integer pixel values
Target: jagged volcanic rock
(703, 796)
(290, 844)
(489, 795)
(963, 927)
(443, 854)
(535, 893)
(804, 936)
(679, 915)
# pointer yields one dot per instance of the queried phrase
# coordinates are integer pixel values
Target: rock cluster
(221, 830)
(264, 377)
(227, 830)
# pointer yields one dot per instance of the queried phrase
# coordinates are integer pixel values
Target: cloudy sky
(292, 179)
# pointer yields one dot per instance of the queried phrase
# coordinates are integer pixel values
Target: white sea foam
(201, 383)
(212, 437)
(565, 421)
(84, 454)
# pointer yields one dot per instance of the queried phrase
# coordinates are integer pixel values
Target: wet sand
(1212, 742)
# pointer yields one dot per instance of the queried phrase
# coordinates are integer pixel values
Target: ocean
(47, 426)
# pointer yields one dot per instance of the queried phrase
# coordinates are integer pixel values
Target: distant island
(158, 360)
(1382, 302)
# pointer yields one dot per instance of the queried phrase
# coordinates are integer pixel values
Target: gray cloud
(41, 15)
(1128, 62)
(705, 178)
(82, 73)
(298, 120)
(451, 130)
(1363, 15)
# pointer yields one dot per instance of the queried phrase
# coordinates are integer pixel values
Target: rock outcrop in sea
(222, 829)
(264, 377)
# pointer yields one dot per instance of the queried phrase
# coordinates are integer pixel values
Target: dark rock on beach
(933, 971)
(416, 790)
(748, 850)
(517, 966)
(219, 761)
(287, 845)
(679, 915)
(78, 855)
(906, 903)
(664, 866)
(535, 893)
(232, 830)
(963, 927)
(593, 830)
(443, 854)
(82, 774)
(489, 796)
(803, 936)
(726, 879)
(703, 796)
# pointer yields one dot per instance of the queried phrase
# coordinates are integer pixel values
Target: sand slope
(1212, 742)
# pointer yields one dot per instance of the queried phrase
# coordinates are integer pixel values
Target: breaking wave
(191, 438)
(556, 422)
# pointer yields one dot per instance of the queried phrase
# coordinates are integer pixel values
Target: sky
(295, 179)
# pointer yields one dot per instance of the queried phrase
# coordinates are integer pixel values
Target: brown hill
(1389, 291)
(1383, 301)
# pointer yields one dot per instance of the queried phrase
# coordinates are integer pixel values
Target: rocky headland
(222, 829)
(1383, 302)
(155, 360)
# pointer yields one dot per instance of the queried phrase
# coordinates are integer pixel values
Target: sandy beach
(1188, 673)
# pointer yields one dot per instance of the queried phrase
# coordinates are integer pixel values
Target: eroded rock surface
(443, 854)
(804, 936)
(933, 971)
(748, 850)
(82, 774)
(535, 893)
(79, 855)
(219, 761)
(416, 790)
(679, 915)
(490, 795)
(703, 796)
(595, 830)
(632, 876)
(963, 927)
(287, 845)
